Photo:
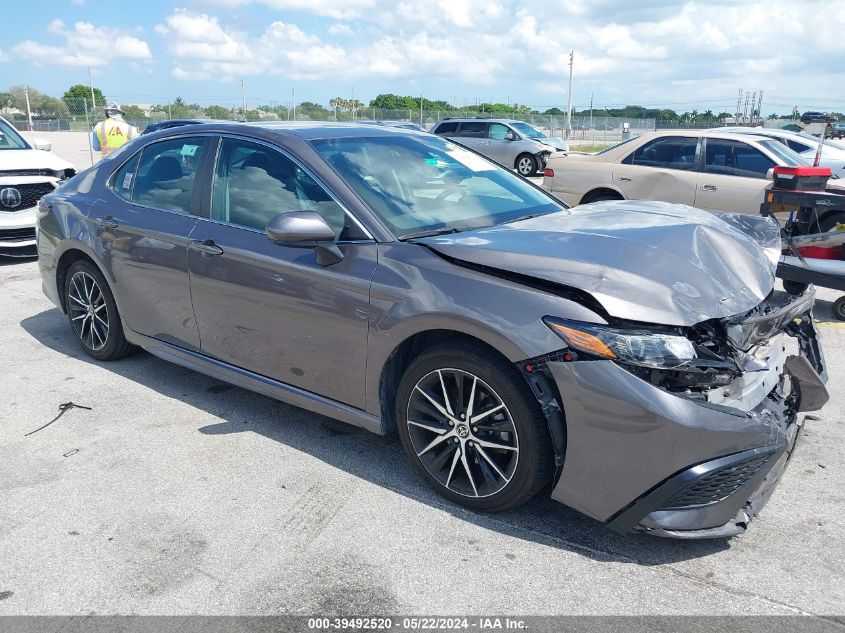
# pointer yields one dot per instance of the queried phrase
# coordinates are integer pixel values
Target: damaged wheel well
(65, 262)
(601, 194)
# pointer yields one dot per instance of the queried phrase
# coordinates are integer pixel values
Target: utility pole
(591, 111)
(91, 85)
(738, 102)
(753, 107)
(745, 110)
(243, 99)
(293, 102)
(569, 101)
(760, 109)
(28, 111)
(353, 103)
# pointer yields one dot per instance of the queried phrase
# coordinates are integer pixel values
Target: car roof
(700, 133)
(483, 119)
(307, 130)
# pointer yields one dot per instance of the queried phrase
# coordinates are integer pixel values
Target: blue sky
(683, 55)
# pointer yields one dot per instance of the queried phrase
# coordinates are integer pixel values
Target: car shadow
(5, 260)
(371, 457)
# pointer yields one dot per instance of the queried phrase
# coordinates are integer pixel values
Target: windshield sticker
(127, 180)
(470, 160)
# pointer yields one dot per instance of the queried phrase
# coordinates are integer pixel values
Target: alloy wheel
(525, 166)
(88, 313)
(462, 432)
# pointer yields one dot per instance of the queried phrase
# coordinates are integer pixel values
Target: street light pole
(569, 102)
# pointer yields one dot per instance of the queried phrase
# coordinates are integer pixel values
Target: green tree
(218, 112)
(559, 112)
(75, 94)
(7, 100)
(133, 112)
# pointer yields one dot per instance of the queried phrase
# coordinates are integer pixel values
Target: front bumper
(17, 233)
(642, 459)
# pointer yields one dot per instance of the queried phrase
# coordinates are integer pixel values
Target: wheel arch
(601, 191)
(70, 255)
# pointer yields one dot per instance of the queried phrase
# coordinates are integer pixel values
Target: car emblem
(10, 197)
(463, 431)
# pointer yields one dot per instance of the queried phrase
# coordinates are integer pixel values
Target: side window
(167, 173)
(751, 162)
(498, 131)
(124, 178)
(670, 152)
(476, 129)
(450, 127)
(735, 158)
(796, 146)
(253, 182)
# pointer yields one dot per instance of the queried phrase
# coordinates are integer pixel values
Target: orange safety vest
(113, 134)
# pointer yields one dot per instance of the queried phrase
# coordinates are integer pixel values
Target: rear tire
(489, 462)
(92, 313)
(526, 165)
(839, 308)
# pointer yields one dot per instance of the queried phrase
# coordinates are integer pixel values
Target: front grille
(717, 485)
(17, 235)
(29, 195)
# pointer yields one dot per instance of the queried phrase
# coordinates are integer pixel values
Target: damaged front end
(714, 405)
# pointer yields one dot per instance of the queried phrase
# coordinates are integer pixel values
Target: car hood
(553, 141)
(31, 159)
(646, 261)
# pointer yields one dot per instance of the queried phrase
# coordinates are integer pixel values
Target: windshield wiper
(441, 231)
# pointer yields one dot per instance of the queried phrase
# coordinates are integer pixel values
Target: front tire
(92, 313)
(526, 165)
(472, 428)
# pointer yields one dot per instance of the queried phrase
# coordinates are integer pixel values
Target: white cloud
(341, 29)
(337, 9)
(84, 45)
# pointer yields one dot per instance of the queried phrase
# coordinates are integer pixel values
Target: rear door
(733, 177)
(145, 217)
(662, 169)
(273, 309)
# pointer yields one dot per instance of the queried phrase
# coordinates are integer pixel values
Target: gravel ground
(177, 494)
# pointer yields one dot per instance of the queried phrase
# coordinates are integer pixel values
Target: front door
(145, 219)
(662, 169)
(734, 177)
(273, 309)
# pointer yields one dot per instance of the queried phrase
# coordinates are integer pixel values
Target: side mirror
(40, 143)
(770, 175)
(510, 136)
(305, 229)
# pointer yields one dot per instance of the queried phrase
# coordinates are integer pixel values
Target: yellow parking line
(839, 325)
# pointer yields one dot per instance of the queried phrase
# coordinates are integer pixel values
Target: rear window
(447, 128)
(476, 129)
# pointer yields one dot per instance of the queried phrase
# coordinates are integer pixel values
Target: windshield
(786, 155)
(527, 130)
(420, 185)
(9, 137)
(815, 141)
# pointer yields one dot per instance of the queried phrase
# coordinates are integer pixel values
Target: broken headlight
(639, 347)
(665, 358)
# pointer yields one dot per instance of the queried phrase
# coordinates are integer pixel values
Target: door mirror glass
(299, 228)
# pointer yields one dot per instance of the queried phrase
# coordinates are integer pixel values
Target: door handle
(709, 188)
(207, 247)
(624, 179)
(107, 222)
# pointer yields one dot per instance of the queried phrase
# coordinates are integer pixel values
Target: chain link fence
(56, 115)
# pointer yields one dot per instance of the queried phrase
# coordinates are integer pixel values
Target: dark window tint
(735, 158)
(253, 182)
(671, 152)
(476, 129)
(167, 174)
(449, 127)
(796, 145)
(123, 180)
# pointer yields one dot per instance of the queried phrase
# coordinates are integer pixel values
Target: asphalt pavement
(173, 493)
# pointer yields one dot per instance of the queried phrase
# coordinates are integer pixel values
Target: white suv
(26, 174)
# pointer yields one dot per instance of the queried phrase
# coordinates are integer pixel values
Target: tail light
(548, 172)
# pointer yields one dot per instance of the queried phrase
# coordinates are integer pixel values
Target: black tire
(830, 220)
(839, 308)
(520, 423)
(526, 165)
(598, 197)
(794, 287)
(101, 342)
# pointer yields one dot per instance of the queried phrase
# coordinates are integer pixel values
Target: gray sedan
(631, 358)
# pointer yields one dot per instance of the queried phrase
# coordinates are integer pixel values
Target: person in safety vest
(113, 133)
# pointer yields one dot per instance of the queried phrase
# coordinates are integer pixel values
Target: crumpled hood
(646, 261)
(554, 142)
(31, 159)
